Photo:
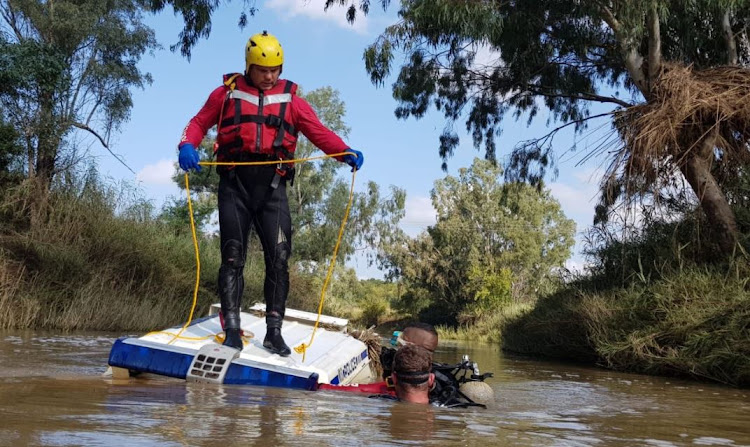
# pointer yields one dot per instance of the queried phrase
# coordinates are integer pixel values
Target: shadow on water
(52, 393)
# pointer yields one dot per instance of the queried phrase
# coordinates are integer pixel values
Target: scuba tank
(460, 385)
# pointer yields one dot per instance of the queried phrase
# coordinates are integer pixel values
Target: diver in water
(420, 334)
(411, 374)
(453, 385)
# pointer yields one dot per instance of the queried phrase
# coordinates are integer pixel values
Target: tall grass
(660, 300)
(90, 256)
(93, 256)
(693, 322)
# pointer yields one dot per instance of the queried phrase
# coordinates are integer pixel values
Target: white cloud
(419, 215)
(313, 9)
(159, 173)
(591, 175)
(579, 198)
(486, 57)
(574, 199)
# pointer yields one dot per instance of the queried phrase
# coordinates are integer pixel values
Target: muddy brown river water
(52, 393)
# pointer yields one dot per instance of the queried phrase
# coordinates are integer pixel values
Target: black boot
(274, 342)
(231, 284)
(233, 339)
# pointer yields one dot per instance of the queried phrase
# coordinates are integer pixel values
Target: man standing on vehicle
(258, 117)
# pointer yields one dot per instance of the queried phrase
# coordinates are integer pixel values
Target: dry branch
(686, 106)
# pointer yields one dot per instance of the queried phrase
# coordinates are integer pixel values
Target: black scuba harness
(448, 381)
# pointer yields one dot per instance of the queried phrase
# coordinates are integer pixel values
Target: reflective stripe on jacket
(257, 121)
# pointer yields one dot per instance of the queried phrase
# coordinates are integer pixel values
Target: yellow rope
(301, 349)
(246, 337)
(271, 162)
(197, 261)
(218, 337)
(182, 337)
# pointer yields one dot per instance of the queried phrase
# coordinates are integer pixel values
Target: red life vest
(254, 121)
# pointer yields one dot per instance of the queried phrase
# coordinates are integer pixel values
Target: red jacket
(255, 132)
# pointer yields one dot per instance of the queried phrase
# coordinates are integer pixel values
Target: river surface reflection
(52, 394)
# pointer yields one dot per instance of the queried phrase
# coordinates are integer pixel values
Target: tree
(70, 64)
(493, 242)
(10, 151)
(318, 197)
(566, 57)
(73, 64)
(196, 15)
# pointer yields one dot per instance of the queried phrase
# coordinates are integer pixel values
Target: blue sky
(321, 49)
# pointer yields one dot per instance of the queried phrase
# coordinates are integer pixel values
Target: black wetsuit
(246, 198)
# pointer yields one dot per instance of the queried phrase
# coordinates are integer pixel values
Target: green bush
(373, 311)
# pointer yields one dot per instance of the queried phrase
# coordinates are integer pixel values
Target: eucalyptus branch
(549, 136)
(92, 131)
(729, 38)
(585, 96)
(654, 45)
(82, 78)
(93, 110)
(104, 143)
(632, 58)
(609, 18)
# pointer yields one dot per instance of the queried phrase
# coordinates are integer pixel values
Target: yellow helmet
(263, 49)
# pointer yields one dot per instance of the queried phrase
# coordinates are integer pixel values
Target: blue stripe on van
(175, 364)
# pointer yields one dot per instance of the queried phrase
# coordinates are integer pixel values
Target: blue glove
(189, 157)
(354, 161)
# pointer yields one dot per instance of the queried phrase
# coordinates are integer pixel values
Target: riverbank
(488, 329)
(82, 263)
(691, 323)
